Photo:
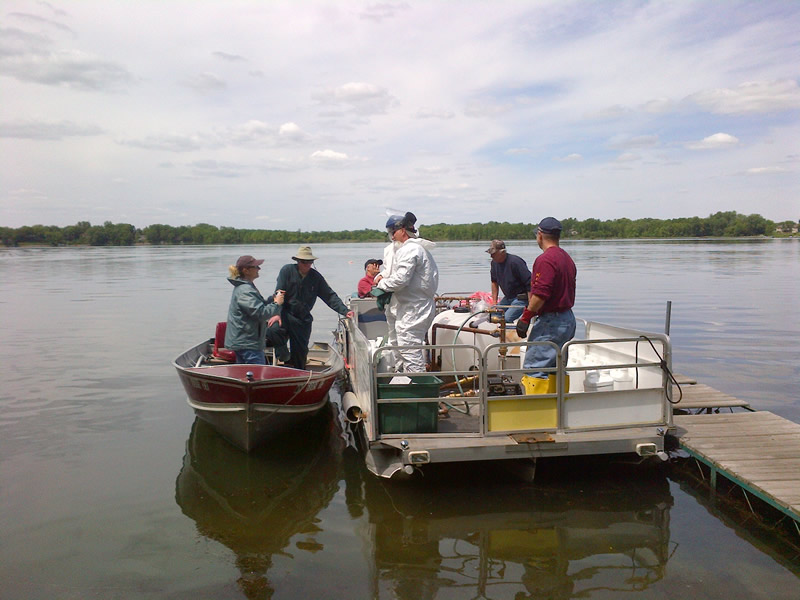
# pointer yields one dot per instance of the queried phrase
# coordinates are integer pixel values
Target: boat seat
(219, 340)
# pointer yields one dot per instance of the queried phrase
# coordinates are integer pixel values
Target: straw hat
(304, 253)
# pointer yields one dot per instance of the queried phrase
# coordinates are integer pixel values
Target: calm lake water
(109, 488)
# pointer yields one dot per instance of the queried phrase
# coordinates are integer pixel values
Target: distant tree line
(82, 233)
(720, 224)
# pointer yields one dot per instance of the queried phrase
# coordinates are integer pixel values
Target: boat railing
(610, 378)
(630, 387)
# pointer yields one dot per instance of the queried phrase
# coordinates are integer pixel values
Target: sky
(323, 115)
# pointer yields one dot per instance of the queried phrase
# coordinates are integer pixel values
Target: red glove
(523, 323)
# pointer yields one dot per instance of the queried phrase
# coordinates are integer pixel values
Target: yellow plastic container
(535, 385)
(522, 414)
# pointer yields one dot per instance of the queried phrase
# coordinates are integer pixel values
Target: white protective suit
(413, 278)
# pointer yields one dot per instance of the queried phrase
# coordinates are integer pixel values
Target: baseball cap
(496, 245)
(550, 225)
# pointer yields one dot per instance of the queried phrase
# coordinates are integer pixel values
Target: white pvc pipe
(353, 411)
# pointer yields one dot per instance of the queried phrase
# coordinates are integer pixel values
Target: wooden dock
(757, 450)
(702, 398)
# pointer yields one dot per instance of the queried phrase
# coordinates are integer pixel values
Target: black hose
(664, 368)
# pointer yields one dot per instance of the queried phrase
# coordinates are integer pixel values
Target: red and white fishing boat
(248, 404)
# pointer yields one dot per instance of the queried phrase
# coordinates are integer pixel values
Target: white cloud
(205, 82)
(623, 142)
(766, 170)
(518, 151)
(713, 142)
(380, 11)
(229, 57)
(69, 68)
(570, 157)
(37, 20)
(214, 168)
(359, 97)
(434, 113)
(658, 106)
(751, 97)
(172, 142)
(329, 156)
(291, 131)
(44, 130)
(617, 111)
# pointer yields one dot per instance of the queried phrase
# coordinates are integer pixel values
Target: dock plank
(757, 450)
(700, 395)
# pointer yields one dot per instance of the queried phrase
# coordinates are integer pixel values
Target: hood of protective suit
(413, 277)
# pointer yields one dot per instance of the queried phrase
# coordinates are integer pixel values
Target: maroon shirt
(553, 278)
(365, 285)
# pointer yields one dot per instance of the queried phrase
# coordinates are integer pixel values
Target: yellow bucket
(534, 385)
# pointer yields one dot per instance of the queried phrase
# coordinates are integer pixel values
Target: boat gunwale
(331, 369)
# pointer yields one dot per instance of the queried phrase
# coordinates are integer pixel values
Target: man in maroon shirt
(371, 268)
(551, 300)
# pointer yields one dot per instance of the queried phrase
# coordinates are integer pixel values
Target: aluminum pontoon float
(610, 393)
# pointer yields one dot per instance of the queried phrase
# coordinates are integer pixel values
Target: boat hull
(249, 404)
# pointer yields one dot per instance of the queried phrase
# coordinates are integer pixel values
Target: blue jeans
(558, 328)
(250, 357)
(516, 307)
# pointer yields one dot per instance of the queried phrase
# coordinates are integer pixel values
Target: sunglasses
(305, 262)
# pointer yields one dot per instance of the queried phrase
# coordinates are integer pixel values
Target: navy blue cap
(550, 225)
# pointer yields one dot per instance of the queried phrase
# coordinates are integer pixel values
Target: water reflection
(494, 539)
(254, 504)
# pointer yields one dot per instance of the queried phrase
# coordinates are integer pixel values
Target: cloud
(713, 142)
(774, 170)
(171, 142)
(51, 8)
(624, 142)
(616, 111)
(251, 132)
(28, 194)
(627, 157)
(434, 113)
(69, 68)
(358, 97)
(283, 164)
(205, 82)
(29, 18)
(214, 168)
(658, 106)
(382, 10)
(16, 42)
(751, 97)
(518, 151)
(43, 130)
(229, 57)
(570, 158)
(479, 108)
(329, 156)
(291, 131)
(433, 170)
